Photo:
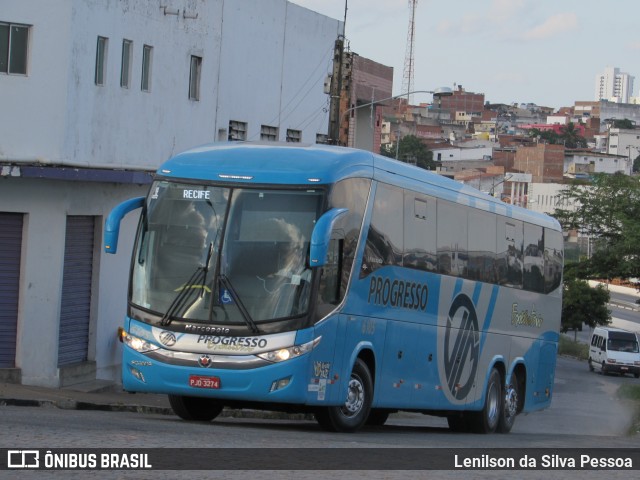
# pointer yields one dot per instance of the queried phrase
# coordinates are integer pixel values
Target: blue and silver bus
(310, 278)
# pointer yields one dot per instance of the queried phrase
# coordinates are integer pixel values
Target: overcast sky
(546, 52)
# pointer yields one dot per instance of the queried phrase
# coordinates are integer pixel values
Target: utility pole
(336, 91)
(335, 118)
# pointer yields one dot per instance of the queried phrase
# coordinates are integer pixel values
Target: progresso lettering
(398, 293)
(250, 342)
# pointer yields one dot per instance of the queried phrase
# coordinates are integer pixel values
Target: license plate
(201, 381)
(624, 368)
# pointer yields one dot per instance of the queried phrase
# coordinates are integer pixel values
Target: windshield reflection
(186, 270)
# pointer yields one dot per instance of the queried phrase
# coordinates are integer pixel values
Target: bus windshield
(224, 255)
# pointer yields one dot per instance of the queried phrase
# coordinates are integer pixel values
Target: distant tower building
(614, 85)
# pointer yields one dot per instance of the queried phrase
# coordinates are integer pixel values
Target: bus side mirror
(112, 224)
(321, 236)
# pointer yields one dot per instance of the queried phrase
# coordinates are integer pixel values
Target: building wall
(587, 162)
(263, 62)
(462, 101)
(370, 82)
(46, 204)
(544, 162)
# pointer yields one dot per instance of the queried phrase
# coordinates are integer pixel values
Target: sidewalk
(97, 395)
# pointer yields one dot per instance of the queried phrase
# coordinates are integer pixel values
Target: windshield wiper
(234, 295)
(181, 302)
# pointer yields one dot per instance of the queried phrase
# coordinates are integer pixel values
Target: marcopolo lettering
(249, 342)
(398, 293)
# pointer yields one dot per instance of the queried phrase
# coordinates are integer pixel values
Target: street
(584, 414)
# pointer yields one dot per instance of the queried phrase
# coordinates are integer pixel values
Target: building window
(125, 72)
(194, 78)
(268, 133)
(14, 41)
(147, 52)
(101, 60)
(237, 131)
(294, 135)
(322, 138)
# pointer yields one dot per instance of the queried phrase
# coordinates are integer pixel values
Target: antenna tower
(407, 78)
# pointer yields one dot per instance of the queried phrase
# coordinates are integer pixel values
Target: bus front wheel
(197, 409)
(353, 414)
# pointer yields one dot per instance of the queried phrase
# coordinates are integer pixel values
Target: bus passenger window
(385, 241)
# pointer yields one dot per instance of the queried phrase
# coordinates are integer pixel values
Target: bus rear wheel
(197, 409)
(487, 419)
(509, 408)
(353, 414)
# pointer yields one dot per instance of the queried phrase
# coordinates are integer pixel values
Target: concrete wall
(46, 204)
(263, 62)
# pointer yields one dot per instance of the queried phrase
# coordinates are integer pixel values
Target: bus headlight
(288, 353)
(137, 343)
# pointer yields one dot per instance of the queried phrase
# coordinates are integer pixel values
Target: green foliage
(569, 136)
(624, 123)
(573, 349)
(608, 210)
(582, 303)
(636, 164)
(411, 150)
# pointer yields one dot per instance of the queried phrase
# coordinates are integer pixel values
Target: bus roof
(279, 163)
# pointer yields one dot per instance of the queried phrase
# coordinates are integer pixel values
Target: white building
(95, 95)
(624, 142)
(614, 85)
(577, 163)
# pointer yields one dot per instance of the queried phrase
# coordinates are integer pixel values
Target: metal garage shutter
(10, 251)
(75, 310)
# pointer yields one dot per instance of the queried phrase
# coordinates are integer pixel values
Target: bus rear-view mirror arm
(112, 224)
(321, 236)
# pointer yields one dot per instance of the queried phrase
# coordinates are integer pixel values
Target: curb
(147, 409)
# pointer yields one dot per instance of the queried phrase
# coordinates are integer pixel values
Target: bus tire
(197, 409)
(377, 417)
(509, 410)
(353, 414)
(487, 419)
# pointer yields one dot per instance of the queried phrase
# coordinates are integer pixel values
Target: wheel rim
(355, 397)
(492, 404)
(511, 402)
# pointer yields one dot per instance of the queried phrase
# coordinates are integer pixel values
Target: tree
(625, 123)
(636, 164)
(571, 137)
(608, 211)
(411, 150)
(582, 303)
(544, 136)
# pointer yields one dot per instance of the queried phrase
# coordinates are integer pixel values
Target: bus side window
(330, 275)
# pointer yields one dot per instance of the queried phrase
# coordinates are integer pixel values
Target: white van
(614, 350)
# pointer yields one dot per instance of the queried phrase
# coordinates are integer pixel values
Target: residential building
(94, 97)
(614, 86)
(624, 142)
(368, 83)
(579, 163)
